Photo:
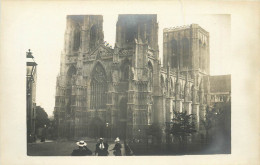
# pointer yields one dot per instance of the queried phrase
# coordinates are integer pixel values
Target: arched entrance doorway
(123, 118)
(96, 128)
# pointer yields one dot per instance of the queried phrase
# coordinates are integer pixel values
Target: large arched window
(71, 71)
(93, 37)
(125, 70)
(98, 88)
(77, 38)
(150, 76)
(174, 58)
(204, 56)
(186, 52)
(200, 54)
(130, 33)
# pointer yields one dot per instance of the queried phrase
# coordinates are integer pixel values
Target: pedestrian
(117, 148)
(44, 132)
(128, 151)
(82, 150)
(101, 148)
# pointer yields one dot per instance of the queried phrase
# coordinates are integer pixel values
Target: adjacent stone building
(108, 92)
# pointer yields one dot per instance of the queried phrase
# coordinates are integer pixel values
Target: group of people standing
(101, 148)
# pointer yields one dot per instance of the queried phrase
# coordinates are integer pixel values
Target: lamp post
(139, 135)
(107, 125)
(30, 94)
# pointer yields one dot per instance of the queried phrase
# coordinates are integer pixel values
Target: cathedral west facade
(108, 92)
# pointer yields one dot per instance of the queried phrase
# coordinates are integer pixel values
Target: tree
(215, 117)
(217, 124)
(41, 118)
(208, 121)
(182, 126)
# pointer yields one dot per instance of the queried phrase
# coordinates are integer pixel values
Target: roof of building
(184, 27)
(80, 18)
(219, 84)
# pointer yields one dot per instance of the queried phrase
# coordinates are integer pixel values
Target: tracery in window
(93, 37)
(98, 88)
(186, 50)
(77, 38)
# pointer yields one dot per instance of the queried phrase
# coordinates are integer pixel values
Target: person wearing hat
(117, 148)
(82, 150)
(101, 148)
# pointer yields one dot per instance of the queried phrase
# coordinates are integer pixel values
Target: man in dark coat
(101, 148)
(82, 150)
(117, 148)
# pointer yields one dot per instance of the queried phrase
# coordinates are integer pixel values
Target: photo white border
(245, 75)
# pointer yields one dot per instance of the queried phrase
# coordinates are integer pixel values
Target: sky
(43, 33)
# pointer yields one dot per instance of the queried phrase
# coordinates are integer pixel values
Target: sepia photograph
(128, 99)
(123, 79)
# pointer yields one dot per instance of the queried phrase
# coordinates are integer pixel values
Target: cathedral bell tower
(186, 47)
(83, 33)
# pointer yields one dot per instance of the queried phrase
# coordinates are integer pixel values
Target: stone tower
(103, 91)
(186, 47)
(137, 38)
(186, 50)
(83, 34)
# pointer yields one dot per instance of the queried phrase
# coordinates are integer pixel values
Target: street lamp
(139, 133)
(30, 93)
(107, 125)
(30, 66)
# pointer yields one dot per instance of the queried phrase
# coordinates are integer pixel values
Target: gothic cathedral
(109, 92)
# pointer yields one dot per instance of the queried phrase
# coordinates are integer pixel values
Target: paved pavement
(63, 148)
